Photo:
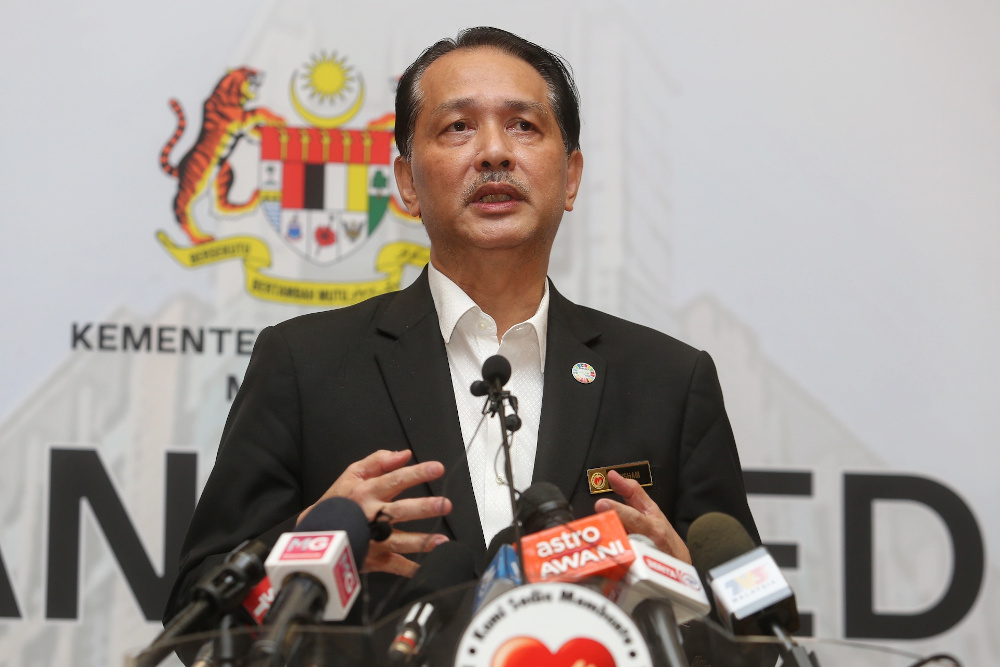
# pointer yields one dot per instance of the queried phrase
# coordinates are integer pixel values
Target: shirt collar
(451, 303)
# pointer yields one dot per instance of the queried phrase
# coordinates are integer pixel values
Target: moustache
(494, 177)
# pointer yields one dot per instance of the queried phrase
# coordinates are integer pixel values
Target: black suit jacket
(326, 389)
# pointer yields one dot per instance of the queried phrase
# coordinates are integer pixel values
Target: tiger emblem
(226, 119)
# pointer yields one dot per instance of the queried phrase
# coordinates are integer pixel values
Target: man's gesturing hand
(373, 483)
(642, 515)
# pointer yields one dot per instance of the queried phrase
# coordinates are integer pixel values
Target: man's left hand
(641, 515)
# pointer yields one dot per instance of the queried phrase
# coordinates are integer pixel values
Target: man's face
(488, 168)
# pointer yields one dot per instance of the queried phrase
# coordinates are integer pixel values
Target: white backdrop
(810, 193)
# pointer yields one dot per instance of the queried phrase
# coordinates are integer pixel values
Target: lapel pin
(584, 373)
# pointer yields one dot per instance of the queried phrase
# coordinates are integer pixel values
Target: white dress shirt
(470, 337)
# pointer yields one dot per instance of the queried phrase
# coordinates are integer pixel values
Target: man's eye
(459, 126)
(524, 126)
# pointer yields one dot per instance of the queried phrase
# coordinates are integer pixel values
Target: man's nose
(495, 149)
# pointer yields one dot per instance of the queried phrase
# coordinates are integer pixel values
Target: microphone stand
(497, 398)
(496, 372)
(658, 626)
(793, 654)
(225, 644)
(512, 423)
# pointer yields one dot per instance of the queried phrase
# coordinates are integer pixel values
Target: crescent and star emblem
(327, 79)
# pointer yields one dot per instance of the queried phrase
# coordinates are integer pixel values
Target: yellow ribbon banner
(391, 260)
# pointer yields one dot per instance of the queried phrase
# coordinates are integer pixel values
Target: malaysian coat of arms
(324, 188)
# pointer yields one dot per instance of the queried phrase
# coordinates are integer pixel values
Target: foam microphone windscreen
(340, 514)
(496, 368)
(716, 538)
(542, 505)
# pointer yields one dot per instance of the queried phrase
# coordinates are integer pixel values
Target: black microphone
(496, 372)
(541, 506)
(315, 574)
(219, 593)
(448, 565)
(751, 595)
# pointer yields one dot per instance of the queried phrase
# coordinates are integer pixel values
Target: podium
(706, 644)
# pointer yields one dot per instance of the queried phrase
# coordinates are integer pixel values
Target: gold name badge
(639, 471)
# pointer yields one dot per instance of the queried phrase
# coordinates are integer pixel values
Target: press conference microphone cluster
(651, 584)
(656, 589)
(751, 595)
(315, 573)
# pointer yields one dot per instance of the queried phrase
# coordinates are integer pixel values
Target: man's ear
(404, 181)
(574, 174)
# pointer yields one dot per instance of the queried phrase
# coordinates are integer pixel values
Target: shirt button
(483, 325)
(500, 480)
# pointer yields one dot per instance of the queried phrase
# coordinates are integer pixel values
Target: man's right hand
(373, 483)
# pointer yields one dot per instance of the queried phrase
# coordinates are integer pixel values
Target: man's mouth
(498, 197)
(495, 188)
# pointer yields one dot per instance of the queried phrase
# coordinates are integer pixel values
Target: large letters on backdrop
(860, 620)
(78, 474)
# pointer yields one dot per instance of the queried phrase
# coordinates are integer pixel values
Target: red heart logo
(529, 652)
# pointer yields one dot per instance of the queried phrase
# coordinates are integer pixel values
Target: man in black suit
(338, 403)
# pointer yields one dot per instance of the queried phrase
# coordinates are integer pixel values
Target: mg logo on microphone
(307, 547)
(347, 577)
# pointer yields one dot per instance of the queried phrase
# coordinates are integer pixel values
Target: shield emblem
(324, 191)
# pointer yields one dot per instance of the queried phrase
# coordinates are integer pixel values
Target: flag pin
(584, 373)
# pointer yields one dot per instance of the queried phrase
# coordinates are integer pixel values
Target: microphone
(560, 548)
(222, 650)
(314, 570)
(749, 589)
(448, 565)
(655, 575)
(259, 600)
(751, 595)
(219, 593)
(496, 372)
(660, 592)
(540, 506)
(504, 571)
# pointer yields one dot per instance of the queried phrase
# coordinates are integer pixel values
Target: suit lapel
(569, 407)
(414, 366)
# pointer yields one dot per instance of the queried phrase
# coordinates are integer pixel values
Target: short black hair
(563, 95)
